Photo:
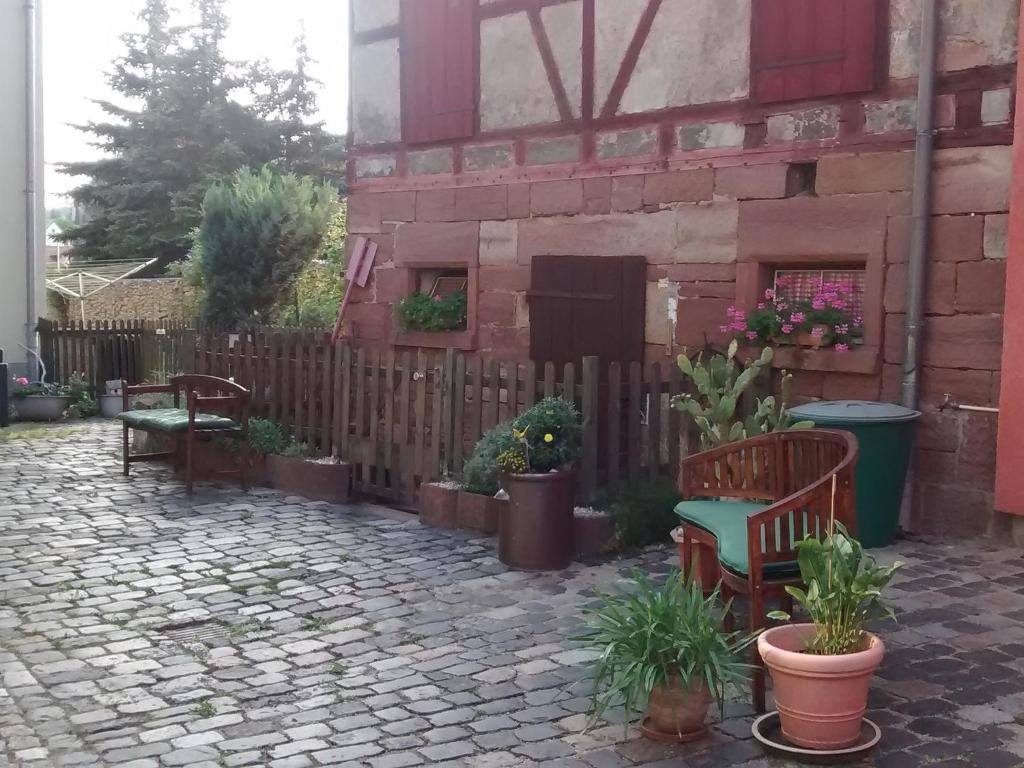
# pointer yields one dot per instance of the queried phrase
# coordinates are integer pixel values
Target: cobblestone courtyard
(139, 628)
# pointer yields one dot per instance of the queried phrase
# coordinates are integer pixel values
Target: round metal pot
(535, 529)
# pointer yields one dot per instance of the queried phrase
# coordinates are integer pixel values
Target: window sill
(863, 360)
(464, 341)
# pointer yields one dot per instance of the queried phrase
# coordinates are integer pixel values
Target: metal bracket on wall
(950, 403)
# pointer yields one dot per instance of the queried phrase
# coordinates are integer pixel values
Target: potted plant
(438, 503)
(821, 672)
(535, 531)
(41, 401)
(433, 313)
(297, 469)
(662, 656)
(111, 402)
(478, 506)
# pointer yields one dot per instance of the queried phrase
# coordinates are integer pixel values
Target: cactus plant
(720, 384)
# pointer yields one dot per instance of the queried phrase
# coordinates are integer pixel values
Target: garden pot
(477, 512)
(110, 405)
(439, 505)
(675, 713)
(592, 532)
(704, 561)
(821, 699)
(535, 530)
(812, 341)
(42, 407)
(311, 479)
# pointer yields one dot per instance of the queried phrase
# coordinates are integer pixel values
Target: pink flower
(769, 294)
(818, 303)
(21, 381)
(842, 347)
(817, 331)
(761, 305)
(751, 335)
(797, 317)
(787, 329)
(842, 330)
(723, 328)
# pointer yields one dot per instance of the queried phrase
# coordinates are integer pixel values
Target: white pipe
(31, 163)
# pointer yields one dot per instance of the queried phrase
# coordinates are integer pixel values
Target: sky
(82, 37)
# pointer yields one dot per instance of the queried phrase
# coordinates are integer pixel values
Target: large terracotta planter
(675, 713)
(476, 512)
(535, 531)
(821, 699)
(438, 505)
(311, 479)
(42, 407)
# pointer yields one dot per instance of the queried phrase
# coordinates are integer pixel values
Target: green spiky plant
(720, 384)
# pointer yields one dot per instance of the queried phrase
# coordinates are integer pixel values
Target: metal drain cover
(195, 632)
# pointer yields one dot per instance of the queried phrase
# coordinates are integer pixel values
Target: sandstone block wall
(152, 299)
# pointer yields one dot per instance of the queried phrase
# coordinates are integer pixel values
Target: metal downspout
(31, 163)
(921, 206)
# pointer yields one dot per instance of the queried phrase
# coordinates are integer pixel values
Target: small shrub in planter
(537, 464)
(478, 509)
(821, 672)
(663, 657)
(423, 312)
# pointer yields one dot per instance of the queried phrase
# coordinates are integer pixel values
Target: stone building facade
(161, 298)
(662, 129)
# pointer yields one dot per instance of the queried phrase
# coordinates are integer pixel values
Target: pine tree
(182, 131)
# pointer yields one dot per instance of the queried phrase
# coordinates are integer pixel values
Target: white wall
(13, 265)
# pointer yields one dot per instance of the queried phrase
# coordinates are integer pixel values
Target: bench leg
(244, 473)
(124, 449)
(188, 465)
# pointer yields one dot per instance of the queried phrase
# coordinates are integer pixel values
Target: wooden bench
(214, 407)
(750, 503)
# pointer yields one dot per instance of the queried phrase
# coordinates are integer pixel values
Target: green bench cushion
(174, 420)
(727, 521)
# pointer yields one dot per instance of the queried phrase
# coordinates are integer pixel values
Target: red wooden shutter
(438, 69)
(807, 48)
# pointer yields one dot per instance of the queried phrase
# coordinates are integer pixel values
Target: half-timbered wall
(674, 130)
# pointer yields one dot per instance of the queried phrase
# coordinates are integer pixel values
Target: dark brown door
(587, 305)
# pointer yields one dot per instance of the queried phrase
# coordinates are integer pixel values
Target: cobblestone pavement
(141, 629)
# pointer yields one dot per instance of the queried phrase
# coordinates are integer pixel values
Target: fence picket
(614, 425)
(432, 470)
(458, 413)
(654, 422)
(373, 472)
(635, 414)
(590, 422)
(419, 426)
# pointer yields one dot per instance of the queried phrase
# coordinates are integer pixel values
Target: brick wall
(705, 232)
(153, 299)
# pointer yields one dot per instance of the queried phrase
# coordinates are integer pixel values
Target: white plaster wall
(615, 21)
(373, 14)
(514, 88)
(13, 262)
(698, 52)
(974, 33)
(564, 26)
(376, 92)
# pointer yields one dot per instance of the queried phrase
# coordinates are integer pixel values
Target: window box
(864, 360)
(464, 341)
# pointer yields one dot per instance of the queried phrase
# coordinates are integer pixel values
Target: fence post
(591, 418)
(5, 406)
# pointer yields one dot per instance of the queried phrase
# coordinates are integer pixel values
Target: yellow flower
(549, 438)
(519, 434)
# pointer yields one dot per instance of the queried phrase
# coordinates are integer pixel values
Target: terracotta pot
(41, 407)
(812, 341)
(821, 699)
(704, 560)
(677, 712)
(313, 480)
(535, 530)
(438, 505)
(476, 512)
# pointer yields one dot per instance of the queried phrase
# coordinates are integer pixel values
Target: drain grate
(195, 632)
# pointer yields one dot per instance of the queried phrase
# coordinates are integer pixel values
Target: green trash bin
(884, 432)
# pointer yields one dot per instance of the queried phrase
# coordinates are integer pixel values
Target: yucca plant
(653, 636)
(843, 592)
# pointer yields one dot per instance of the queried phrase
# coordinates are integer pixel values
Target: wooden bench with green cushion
(749, 503)
(199, 420)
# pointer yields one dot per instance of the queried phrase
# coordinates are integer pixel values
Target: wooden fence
(408, 417)
(134, 350)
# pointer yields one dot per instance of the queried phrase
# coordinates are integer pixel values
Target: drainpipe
(921, 207)
(31, 162)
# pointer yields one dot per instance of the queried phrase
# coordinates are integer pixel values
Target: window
(807, 48)
(438, 70)
(805, 284)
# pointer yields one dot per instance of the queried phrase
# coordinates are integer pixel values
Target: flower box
(42, 407)
(476, 512)
(318, 480)
(439, 505)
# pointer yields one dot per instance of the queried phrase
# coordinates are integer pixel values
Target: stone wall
(153, 299)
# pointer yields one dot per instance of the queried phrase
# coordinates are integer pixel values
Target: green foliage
(656, 635)
(258, 233)
(267, 437)
(720, 385)
(319, 288)
(185, 116)
(843, 592)
(422, 312)
(299, 451)
(644, 512)
(545, 438)
(480, 473)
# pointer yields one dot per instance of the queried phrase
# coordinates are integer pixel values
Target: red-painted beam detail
(643, 29)
(547, 55)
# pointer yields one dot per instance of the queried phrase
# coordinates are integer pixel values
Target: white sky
(81, 39)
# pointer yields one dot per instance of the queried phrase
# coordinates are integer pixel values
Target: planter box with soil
(439, 504)
(42, 407)
(593, 532)
(477, 512)
(322, 480)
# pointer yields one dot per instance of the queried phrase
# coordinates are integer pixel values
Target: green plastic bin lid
(853, 412)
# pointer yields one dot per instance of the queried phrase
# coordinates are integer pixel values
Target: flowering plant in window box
(440, 312)
(828, 319)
